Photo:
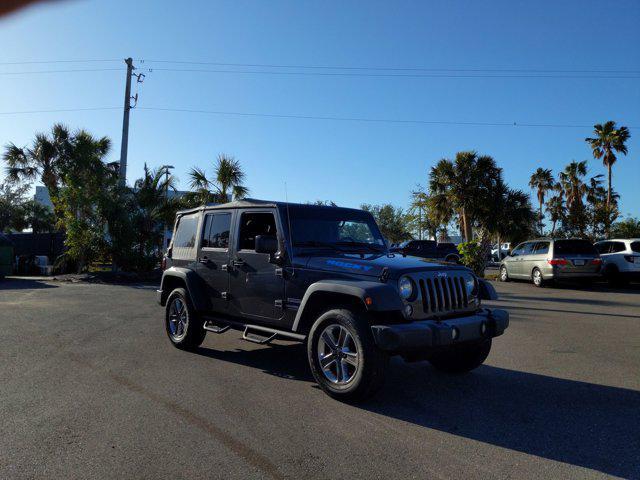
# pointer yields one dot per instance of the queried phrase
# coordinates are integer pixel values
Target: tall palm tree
(571, 180)
(541, 181)
(556, 209)
(44, 160)
(607, 141)
(228, 179)
(462, 185)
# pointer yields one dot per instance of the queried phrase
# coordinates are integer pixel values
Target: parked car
(428, 249)
(505, 249)
(546, 260)
(620, 259)
(323, 276)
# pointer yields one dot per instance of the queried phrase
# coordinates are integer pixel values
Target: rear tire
(461, 359)
(344, 359)
(536, 277)
(183, 325)
(504, 274)
(612, 274)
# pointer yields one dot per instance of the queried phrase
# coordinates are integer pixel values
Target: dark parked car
(322, 275)
(428, 249)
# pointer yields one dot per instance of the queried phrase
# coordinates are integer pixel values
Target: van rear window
(574, 247)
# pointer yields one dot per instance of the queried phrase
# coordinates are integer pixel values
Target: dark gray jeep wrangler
(322, 275)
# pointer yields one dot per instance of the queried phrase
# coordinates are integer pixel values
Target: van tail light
(163, 263)
(596, 261)
(558, 261)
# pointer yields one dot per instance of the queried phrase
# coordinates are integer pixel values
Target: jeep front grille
(443, 295)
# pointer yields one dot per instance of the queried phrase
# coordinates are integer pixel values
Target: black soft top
(255, 203)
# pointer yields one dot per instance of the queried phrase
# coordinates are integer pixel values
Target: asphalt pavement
(91, 388)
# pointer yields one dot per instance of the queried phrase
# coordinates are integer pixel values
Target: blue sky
(345, 161)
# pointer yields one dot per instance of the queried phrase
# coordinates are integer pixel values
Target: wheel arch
(176, 277)
(363, 296)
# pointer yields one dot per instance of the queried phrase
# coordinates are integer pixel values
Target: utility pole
(125, 123)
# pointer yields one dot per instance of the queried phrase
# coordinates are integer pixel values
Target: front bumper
(430, 334)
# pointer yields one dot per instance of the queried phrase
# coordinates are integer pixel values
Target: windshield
(334, 228)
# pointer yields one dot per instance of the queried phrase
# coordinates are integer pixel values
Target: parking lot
(91, 388)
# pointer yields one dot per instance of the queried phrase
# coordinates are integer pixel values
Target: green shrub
(471, 255)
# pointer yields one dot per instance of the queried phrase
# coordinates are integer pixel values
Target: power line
(413, 69)
(30, 72)
(369, 120)
(59, 110)
(38, 62)
(319, 117)
(395, 75)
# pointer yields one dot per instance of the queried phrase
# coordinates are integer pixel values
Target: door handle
(238, 262)
(204, 260)
(224, 268)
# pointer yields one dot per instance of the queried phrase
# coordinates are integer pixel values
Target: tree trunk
(609, 189)
(466, 225)
(540, 219)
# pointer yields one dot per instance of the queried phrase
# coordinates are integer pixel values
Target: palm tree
(571, 181)
(462, 185)
(608, 140)
(541, 181)
(228, 179)
(45, 160)
(556, 209)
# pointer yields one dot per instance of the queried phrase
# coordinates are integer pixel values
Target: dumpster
(6, 256)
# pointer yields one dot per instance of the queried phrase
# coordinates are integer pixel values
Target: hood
(373, 264)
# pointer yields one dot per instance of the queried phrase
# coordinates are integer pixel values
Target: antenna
(286, 198)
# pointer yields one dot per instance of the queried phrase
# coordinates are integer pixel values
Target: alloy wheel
(338, 354)
(178, 319)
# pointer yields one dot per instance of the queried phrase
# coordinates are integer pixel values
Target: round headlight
(471, 284)
(407, 288)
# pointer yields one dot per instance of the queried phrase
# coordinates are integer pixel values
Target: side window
(635, 247)
(252, 225)
(617, 247)
(541, 248)
(186, 232)
(602, 247)
(527, 248)
(518, 250)
(184, 239)
(215, 233)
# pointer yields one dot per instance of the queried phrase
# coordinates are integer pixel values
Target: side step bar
(255, 337)
(251, 333)
(211, 327)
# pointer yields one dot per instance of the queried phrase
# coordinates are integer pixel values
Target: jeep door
(213, 257)
(256, 284)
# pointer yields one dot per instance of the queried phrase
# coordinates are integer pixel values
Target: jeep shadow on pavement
(323, 276)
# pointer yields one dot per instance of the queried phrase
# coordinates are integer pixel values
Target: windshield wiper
(370, 246)
(317, 244)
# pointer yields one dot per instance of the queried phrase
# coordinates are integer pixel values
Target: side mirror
(266, 244)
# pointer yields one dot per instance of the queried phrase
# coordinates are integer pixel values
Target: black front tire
(462, 358)
(372, 362)
(193, 334)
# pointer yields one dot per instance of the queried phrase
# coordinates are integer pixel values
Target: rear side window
(216, 230)
(541, 248)
(635, 246)
(184, 239)
(574, 247)
(254, 224)
(617, 247)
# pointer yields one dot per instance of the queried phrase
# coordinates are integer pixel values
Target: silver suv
(545, 260)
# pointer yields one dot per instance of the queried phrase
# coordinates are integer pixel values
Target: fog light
(454, 333)
(408, 310)
(483, 328)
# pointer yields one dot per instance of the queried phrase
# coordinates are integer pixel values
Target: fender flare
(383, 296)
(193, 285)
